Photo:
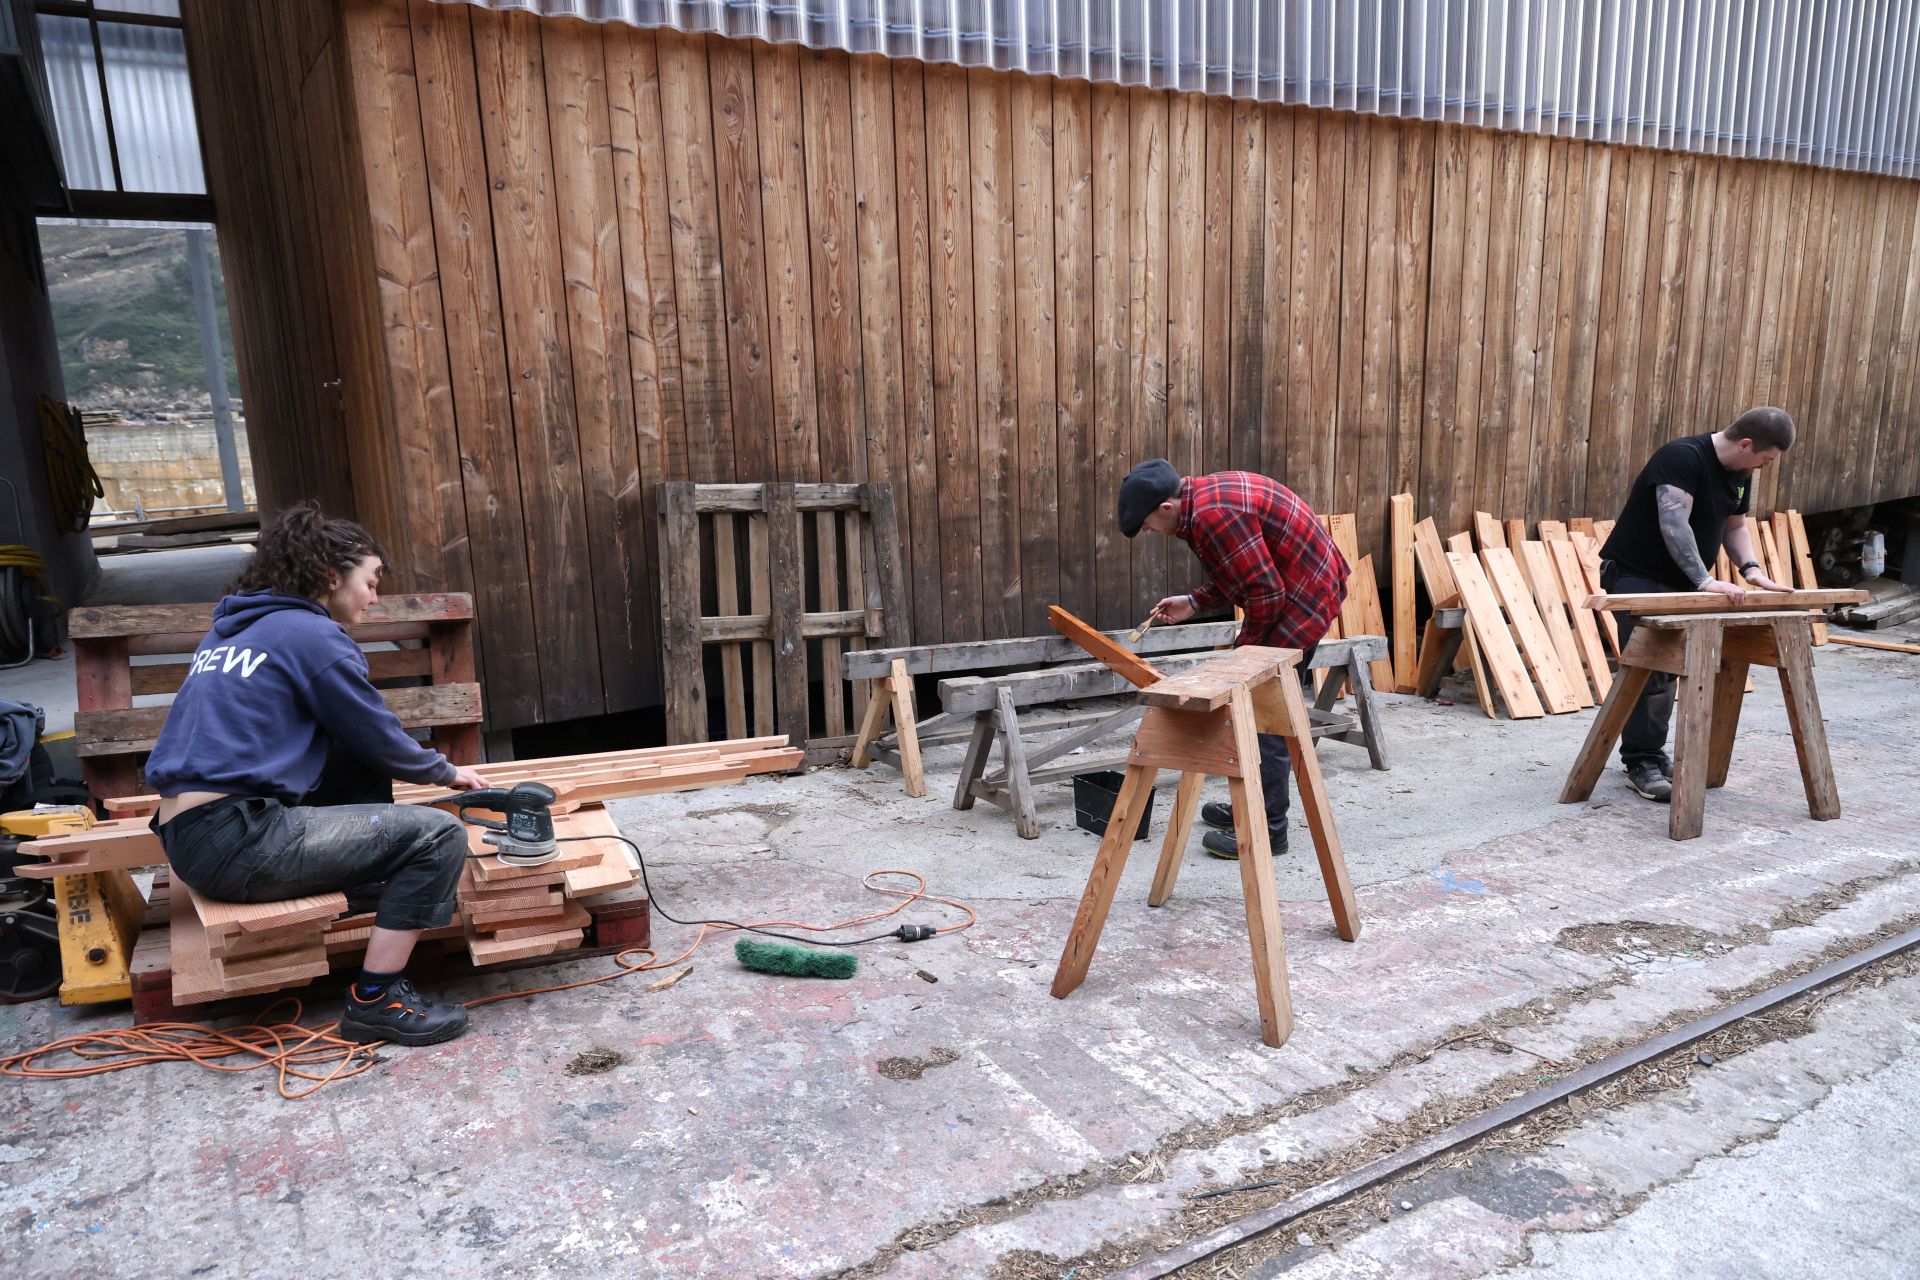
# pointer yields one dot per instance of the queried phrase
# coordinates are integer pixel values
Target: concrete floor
(940, 1114)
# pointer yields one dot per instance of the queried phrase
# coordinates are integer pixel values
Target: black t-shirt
(1688, 464)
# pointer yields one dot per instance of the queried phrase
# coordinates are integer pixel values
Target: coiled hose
(74, 482)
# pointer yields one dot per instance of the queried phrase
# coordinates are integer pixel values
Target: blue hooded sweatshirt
(272, 685)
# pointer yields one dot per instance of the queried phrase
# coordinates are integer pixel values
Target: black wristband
(1751, 564)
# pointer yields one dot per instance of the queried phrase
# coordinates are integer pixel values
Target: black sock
(371, 986)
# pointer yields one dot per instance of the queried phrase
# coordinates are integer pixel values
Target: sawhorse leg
(1097, 900)
(1791, 637)
(1607, 726)
(1313, 798)
(1687, 807)
(974, 764)
(1179, 827)
(1360, 680)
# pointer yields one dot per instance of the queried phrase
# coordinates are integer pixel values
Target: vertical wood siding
(556, 263)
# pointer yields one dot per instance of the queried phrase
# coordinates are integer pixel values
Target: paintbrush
(1133, 636)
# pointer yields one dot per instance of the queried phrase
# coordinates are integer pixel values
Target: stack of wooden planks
(1531, 640)
(513, 912)
(240, 948)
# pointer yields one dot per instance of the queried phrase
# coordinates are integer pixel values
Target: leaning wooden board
(1497, 649)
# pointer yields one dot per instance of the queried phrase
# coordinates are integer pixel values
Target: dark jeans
(1276, 766)
(257, 849)
(1644, 740)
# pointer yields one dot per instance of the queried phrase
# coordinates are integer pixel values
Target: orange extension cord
(318, 1056)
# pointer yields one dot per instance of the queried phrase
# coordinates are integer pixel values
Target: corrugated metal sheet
(148, 96)
(1825, 82)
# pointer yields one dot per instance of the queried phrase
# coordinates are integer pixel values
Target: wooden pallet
(743, 551)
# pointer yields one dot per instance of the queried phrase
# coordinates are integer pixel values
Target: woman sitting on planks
(276, 733)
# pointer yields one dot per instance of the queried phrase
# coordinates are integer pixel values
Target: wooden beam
(1101, 646)
(1651, 602)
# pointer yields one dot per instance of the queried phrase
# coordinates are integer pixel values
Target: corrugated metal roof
(1824, 82)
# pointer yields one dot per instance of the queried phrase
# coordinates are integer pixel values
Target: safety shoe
(1217, 813)
(1224, 844)
(401, 1015)
(1650, 781)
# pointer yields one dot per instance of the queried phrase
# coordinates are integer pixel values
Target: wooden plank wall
(601, 257)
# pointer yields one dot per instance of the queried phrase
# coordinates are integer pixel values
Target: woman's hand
(466, 778)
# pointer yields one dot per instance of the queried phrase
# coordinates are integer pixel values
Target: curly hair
(301, 551)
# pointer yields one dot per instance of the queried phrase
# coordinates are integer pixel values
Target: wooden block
(1497, 649)
(196, 974)
(223, 918)
(1190, 741)
(238, 971)
(1537, 566)
(1400, 524)
(1487, 531)
(571, 916)
(1366, 587)
(1556, 690)
(487, 951)
(1209, 685)
(491, 871)
(1136, 669)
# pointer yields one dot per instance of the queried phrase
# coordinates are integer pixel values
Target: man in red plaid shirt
(1264, 550)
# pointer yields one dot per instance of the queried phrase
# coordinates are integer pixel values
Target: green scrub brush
(794, 962)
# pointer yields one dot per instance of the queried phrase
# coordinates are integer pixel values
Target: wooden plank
(1344, 532)
(1210, 684)
(1147, 180)
(1103, 880)
(957, 502)
(1038, 457)
(593, 274)
(223, 919)
(992, 654)
(533, 310)
(833, 686)
(920, 497)
(1495, 641)
(887, 578)
(685, 663)
(134, 729)
(1110, 440)
(1487, 531)
(99, 622)
(760, 600)
(838, 341)
(1544, 581)
(1372, 622)
(1081, 502)
(1400, 539)
(789, 647)
(1888, 646)
(1556, 689)
(1652, 602)
(726, 581)
(783, 200)
(737, 182)
(382, 664)
(1573, 587)
(1109, 651)
(996, 340)
(1431, 558)
(1247, 284)
(1516, 533)
(882, 370)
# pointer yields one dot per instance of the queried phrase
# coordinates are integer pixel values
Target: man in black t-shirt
(1690, 498)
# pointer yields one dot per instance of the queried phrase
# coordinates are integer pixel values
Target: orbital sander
(525, 837)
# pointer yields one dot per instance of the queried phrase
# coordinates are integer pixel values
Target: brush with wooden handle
(1133, 636)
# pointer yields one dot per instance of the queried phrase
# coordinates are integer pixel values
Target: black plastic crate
(1093, 798)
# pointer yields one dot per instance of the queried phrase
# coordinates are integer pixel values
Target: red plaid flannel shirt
(1265, 551)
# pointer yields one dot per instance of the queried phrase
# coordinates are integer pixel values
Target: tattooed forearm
(1675, 506)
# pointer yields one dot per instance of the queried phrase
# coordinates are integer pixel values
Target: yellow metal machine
(99, 913)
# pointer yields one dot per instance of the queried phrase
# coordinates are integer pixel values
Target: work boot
(1216, 813)
(1224, 844)
(1650, 780)
(401, 1015)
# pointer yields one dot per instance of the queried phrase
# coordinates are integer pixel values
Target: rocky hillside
(123, 311)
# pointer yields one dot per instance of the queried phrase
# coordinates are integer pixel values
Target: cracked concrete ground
(940, 1114)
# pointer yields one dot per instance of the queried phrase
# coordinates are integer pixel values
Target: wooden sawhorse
(1710, 653)
(1203, 722)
